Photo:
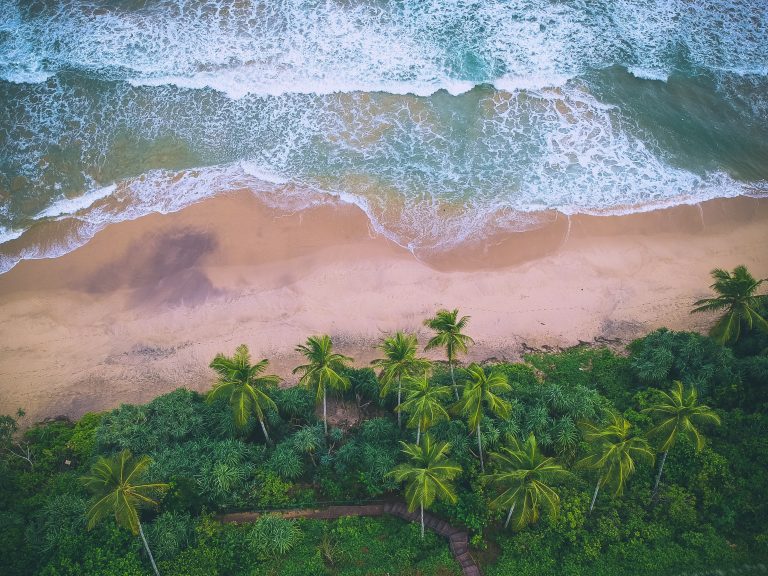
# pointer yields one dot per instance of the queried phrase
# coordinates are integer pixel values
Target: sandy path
(144, 306)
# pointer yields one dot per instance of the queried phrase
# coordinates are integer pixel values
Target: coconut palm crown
(736, 296)
(400, 361)
(678, 413)
(424, 404)
(117, 491)
(522, 475)
(448, 327)
(615, 449)
(482, 395)
(428, 475)
(244, 386)
(324, 370)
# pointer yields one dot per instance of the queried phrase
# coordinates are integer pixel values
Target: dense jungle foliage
(559, 417)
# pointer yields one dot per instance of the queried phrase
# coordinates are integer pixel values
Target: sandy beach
(144, 306)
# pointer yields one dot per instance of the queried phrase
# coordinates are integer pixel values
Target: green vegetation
(522, 474)
(324, 370)
(400, 362)
(557, 428)
(736, 296)
(116, 493)
(614, 450)
(482, 394)
(680, 414)
(241, 383)
(424, 403)
(448, 327)
(427, 475)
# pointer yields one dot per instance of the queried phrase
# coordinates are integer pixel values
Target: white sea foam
(418, 225)
(648, 74)
(8, 234)
(70, 206)
(411, 47)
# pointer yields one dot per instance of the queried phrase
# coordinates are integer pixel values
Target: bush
(82, 443)
(273, 536)
(169, 534)
(695, 360)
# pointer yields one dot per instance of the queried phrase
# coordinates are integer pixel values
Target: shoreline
(145, 305)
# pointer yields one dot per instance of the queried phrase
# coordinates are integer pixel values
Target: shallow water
(445, 120)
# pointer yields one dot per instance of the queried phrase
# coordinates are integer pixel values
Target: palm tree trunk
(509, 516)
(399, 394)
(594, 496)
(455, 389)
(480, 448)
(418, 433)
(149, 552)
(325, 414)
(422, 521)
(658, 477)
(264, 429)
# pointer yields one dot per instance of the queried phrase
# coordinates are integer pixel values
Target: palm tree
(428, 475)
(481, 393)
(400, 361)
(243, 385)
(679, 414)
(113, 482)
(449, 336)
(522, 474)
(614, 452)
(423, 404)
(736, 295)
(323, 371)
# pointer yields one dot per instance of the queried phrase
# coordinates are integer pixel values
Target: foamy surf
(421, 227)
(443, 121)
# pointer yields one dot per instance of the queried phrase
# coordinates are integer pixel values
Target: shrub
(272, 536)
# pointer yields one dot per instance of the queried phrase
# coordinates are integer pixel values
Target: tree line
(522, 478)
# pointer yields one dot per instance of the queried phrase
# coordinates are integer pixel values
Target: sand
(145, 305)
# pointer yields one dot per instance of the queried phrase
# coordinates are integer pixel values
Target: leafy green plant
(448, 327)
(679, 414)
(113, 481)
(423, 404)
(244, 386)
(736, 296)
(427, 476)
(272, 536)
(614, 452)
(523, 474)
(400, 361)
(325, 369)
(482, 392)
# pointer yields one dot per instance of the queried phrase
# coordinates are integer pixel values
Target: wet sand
(144, 306)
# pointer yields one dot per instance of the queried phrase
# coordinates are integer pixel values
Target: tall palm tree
(427, 476)
(243, 384)
(679, 414)
(424, 404)
(736, 296)
(481, 394)
(614, 452)
(400, 361)
(323, 370)
(448, 327)
(116, 491)
(523, 475)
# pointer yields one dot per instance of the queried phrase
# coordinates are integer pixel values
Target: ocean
(446, 121)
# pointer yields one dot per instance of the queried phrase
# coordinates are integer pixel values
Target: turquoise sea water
(445, 120)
